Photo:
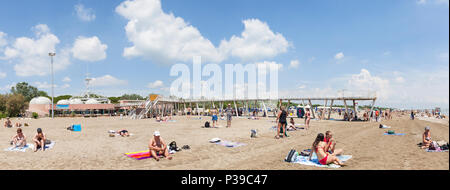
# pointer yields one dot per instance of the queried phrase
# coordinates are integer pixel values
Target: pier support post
(331, 108)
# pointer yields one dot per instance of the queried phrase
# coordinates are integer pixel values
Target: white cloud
(84, 14)
(30, 55)
(165, 38)
(339, 56)
(44, 85)
(89, 49)
(107, 80)
(256, 42)
(2, 75)
(156, 84)
(294, 64)
(162, 37)
(366, 83)
(3, 41)
(66, 79)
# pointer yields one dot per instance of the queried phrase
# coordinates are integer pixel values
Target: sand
(94, 149)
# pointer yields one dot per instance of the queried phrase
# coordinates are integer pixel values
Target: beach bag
(253, 133)
(305, 153)
(292, 156)
(173, 146)
(207, 124)
(391, 132)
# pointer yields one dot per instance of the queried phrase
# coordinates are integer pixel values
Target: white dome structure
(40, 100)
(63, 102)
(75, 101)
(92, 101)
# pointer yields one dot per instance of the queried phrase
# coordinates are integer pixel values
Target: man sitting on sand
(157, 147)
(331, 144)
(39, 140)
(8, 123)
(426, 138)
(19, 140)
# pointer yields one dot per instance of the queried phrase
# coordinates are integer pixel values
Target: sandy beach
(92, 148)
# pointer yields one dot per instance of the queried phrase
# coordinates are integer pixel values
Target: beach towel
(230, 144)
(20, 149)
(141, 155)
(304, 160)
(51, 145)
(274, 128)
(395, 134)
(440, 150)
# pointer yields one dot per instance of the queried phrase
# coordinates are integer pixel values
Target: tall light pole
(51, 57)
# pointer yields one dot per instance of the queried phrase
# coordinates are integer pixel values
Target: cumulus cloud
(89, 49)
(256, 42)
(365, 82)
(30, 55)
(162, 37)
(84, 14)
(107, 80)
(167, 39)
(156, 84)
(339, 56)
(294, 64)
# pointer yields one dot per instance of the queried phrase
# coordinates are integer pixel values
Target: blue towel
(395, 134)
(304, 160)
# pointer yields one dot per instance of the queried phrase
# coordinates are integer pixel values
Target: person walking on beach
(307, 118)
(282, 122)
(324, 157)
(39, 140)
(412, 115)
(158, 147)
(229, 113)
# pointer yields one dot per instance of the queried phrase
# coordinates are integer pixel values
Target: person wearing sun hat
(158, 147)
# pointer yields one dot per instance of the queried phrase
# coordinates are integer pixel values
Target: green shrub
(35, 115)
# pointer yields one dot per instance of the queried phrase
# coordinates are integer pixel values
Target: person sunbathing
(331, 144)
(426, 138)
(39, 140)
(8, 123)
(123, 133)
(291, 125)
(324, 157)
(18, 124)
(19, 140)
(157, 147)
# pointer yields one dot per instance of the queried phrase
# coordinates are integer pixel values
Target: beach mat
(20, 149)
(50, 146)
(141, 155)
(428, 150)
(230, 144)
(304, 160)
(395, 134)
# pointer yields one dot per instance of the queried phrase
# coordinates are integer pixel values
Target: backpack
(207, 124)
(173, 146)
(292, 156)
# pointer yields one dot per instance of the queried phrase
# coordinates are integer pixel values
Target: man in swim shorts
(39, 140)
(158, 147)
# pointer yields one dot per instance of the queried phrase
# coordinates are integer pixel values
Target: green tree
(114, 100)
(16, 104)
(27, 91)
(131, 97)
(3, 100)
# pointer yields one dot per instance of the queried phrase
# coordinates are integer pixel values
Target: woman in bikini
(19, 140)
(308, 118)
(324, 157)
(426, 138)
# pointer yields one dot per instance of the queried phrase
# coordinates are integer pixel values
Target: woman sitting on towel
(291, 124)
(324, 157)
(19, 140)
(426, 138)
(39, 140)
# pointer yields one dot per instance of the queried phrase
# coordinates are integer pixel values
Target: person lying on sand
(18, 124)
(324, 157)
(157, 146)
(123, 133)
(426, 138)
(8, 123)
(39, 140)
(19, 140)
(331, 144)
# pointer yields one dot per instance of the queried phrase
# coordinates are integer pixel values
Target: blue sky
(397, 48)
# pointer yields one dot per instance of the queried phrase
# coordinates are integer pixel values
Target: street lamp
(51, 57)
